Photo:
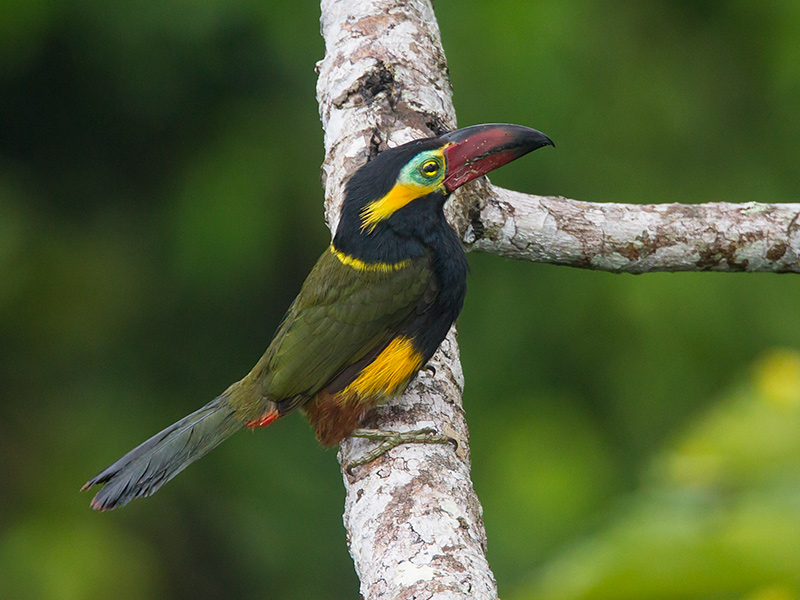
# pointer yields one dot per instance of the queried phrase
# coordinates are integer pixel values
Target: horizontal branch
(632, 238)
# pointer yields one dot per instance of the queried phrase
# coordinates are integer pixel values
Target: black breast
(449, 264)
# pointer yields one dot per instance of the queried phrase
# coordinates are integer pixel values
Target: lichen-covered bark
(413, 521)
(414, 524)
(625, 238)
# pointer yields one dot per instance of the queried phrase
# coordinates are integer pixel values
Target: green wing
(341, 314)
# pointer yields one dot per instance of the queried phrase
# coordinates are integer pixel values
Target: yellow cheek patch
(389, 372)
(360, 265)
(400, 195)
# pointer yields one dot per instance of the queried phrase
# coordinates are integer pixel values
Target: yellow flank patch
(360, 265)
(390, 371)
(378, 210)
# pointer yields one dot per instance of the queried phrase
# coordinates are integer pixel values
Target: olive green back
(340, 315)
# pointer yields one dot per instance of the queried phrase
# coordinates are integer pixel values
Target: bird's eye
(430, 168)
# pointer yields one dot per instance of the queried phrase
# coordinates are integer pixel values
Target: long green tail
(150, 465)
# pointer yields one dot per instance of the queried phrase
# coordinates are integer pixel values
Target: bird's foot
(392, 439)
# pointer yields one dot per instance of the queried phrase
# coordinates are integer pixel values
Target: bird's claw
(392, 439)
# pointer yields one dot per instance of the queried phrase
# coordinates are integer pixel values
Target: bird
(373, 310)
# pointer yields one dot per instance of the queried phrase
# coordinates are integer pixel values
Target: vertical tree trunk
(413, 521)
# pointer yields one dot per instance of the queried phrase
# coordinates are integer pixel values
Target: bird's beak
(474, 151)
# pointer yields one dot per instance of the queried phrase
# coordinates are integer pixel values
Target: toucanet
(371, 313)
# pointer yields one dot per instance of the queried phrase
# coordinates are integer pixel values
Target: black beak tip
(536, 139)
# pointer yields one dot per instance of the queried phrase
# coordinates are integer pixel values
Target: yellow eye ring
(430, 168)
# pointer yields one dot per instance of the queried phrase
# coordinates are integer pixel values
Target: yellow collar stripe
(360, 265)
(400, 195)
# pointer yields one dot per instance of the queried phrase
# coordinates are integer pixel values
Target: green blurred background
(632, 437)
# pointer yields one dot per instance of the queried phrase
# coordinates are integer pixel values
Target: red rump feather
(265, 420)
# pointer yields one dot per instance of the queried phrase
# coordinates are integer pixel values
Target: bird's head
(419, 175)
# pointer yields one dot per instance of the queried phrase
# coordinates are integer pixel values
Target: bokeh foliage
(632, 437)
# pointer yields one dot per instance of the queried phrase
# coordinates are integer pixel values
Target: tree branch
(632, 238)
(413, 520)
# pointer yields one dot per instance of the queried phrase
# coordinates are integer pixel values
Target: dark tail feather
(150, 465)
